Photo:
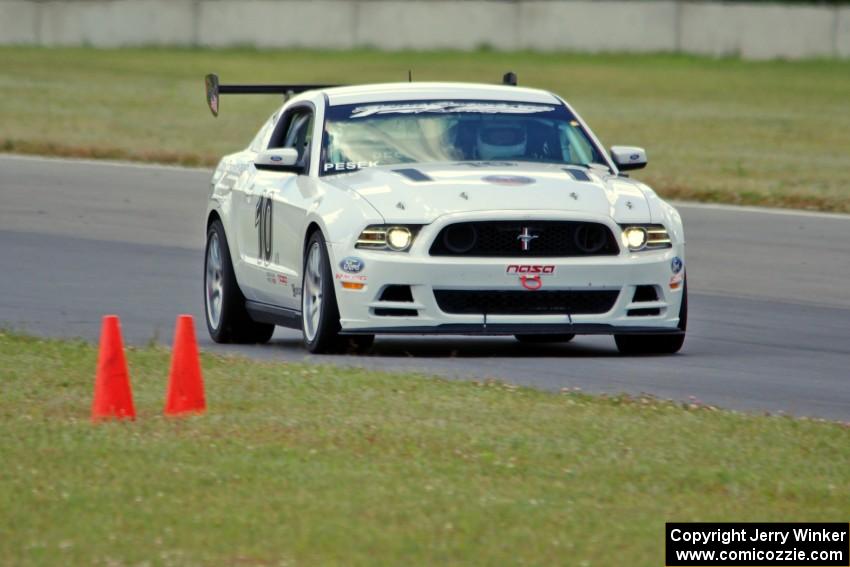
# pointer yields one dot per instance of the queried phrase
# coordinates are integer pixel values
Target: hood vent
(578, 174)
(413, 174)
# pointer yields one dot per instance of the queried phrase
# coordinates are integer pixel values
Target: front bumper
(363, 312)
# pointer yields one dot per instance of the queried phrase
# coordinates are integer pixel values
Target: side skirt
(265, 313)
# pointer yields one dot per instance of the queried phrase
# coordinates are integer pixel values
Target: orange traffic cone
(185, 384)
(112, 395)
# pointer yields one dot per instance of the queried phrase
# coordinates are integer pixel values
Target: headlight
(645, 237)
(635, 237)
(387, 237)
(399, 238)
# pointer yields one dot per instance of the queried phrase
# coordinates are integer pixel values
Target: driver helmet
(501, 139)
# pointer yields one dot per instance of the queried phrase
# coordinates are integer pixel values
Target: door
(246, 193)
(280, 212)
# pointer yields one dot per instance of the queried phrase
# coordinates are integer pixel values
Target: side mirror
(278, 159)
(628, 157)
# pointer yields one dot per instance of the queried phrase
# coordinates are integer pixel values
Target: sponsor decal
(275, 279)
(349, 165)
(676, 265)
(276, 158)
(508, 180)
(634, 157)
(525, 237)
(351, 277)
(530, 269)
(351, 264)
(447, 107)
(296, 291)
(530, 275)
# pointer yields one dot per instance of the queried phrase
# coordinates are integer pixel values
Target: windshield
(423, 131)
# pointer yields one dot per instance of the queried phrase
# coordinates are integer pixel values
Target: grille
(525, 239)
(567, 302)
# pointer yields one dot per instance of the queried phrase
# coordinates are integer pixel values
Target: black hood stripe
(413, 174)
(578, 174)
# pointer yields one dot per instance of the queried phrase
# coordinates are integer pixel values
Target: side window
(299, 133)
(577, 148)
(261, 140)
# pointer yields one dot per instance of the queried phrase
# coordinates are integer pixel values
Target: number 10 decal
(263, 222)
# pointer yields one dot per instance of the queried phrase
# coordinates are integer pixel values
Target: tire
(661, 343)
(224, 304)
(544, 339)
(319, 310)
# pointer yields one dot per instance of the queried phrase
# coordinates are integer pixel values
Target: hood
(420, 193)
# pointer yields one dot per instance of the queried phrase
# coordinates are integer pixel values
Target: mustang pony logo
(525, 237)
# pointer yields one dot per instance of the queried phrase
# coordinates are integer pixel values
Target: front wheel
(319, 310)
(657, 344)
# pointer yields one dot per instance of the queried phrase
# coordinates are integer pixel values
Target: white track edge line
(763, 210)
(105, 162)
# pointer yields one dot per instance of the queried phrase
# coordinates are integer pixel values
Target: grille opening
(590, 238)
(392, 312)
(645, 293)
(645, 312)
(511, 239)
(397, 293)
(563, 302)
(460, 238)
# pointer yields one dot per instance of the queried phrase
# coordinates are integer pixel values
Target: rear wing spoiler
(214, 88)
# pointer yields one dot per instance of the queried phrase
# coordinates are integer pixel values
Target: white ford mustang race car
(437, 208)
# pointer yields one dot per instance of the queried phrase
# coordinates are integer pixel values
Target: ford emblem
(676, 265)
(352, 265)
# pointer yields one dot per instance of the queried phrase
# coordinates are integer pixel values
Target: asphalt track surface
(769, 325)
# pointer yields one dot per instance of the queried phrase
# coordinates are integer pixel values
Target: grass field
(307, 465)
(775, 133)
